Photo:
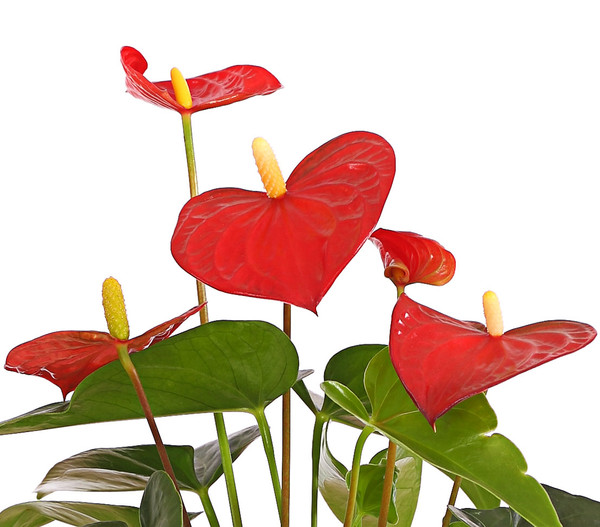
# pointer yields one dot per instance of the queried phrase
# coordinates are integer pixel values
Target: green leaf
(161, 503)
(459, 446)
(207, 458)
(106, 524)
(481, 498)
(129, 468)
(217, 367)
(573, 511)
(334, 487)
(348, 367)
(346, 398)
(117, 469)
(37, 513)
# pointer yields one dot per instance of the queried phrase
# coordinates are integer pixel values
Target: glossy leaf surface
(208, 91)
(460, 445)
(290, 248)
(410, 258)
(348, 368)
(129, 468)
(442, 361)
(573, 511)
(37, 513)
(217, 367)
(161, 503)
(65, 358)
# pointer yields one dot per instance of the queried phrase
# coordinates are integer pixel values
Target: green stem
(228, 469)
(452, 501)
(129, 368)
(265, 434)
(286, 433)
(388, 484)
(207, 505)
(360, 443)
(186, 120)
(316, 456)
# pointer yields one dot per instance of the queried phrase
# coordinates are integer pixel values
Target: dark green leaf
(573, 511)
(106, 524)
(459, 446)
(207, 459)
(216, 367)
(161, 503)
(129, 468)
(37, 513)
(117, 469)
(348, 368)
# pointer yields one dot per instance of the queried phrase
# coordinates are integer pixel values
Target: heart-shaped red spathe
(410, 258)
(210, 90)
(290, 248)
(441, 360)
(65, 358)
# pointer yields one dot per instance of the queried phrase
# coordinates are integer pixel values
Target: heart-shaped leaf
(217, 367)
(37, 513)
(290, 248)
(161, 503)
(129, 468)
(459, 446)
(442, 361)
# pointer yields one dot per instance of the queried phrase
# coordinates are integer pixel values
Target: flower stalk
(452, 501)
(286, 433)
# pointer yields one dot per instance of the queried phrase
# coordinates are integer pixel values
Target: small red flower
(441, 360)
(410, 258)
(65, 358)
(208, 91)
(292, 247)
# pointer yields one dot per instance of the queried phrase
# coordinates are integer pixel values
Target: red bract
(290, 248)
(65, 358)
(410, 258)
(208, 91)
(441, 360)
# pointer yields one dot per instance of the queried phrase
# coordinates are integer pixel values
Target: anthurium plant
(422, 387)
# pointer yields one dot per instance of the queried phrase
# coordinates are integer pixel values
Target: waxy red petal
(208, 91)
(65, 358)
(441, 360)
(410, 258)
(290, 248)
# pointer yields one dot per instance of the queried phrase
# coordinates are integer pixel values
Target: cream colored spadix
(268, 168)
(182, 90)
(493, 315)
(114, 309)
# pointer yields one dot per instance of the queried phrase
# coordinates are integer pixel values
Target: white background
(492, 108)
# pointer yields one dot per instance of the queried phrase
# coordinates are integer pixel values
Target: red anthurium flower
(410, 258)
(65, 358)
(208, 91)
(291, 246)
(441, 360)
